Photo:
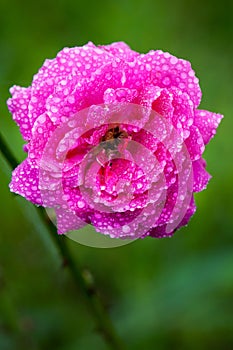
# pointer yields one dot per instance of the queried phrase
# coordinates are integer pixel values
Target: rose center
(112, 138)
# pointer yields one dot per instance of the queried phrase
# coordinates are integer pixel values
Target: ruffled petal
(55, 76)
(120, 95)
(164, 70)
(77, 94)
(18, 106)
(183, 113)
(25, 182)
(67, 221)
(190, 212)
(207, 123)
(163, 104)
(200, 175)
(194, 143)
(160, 231)
(42, 131)
(121, 50)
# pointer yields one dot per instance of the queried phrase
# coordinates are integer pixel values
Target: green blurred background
(161, 294)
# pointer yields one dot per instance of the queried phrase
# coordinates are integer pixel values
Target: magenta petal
(207, 123)
(194, 143)
(200, 175)
(25, 182)
(169, 71)
(190, 211)
(121, 50)
(120, 95)
(18, 106)
(77, 63)
(161, 230)
(42, 131)
(67, 221)
(75, 94)
(163, 104)
(183, 114)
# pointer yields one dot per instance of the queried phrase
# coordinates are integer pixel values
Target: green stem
(83, 279)
(6, 152)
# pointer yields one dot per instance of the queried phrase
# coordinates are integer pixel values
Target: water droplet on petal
(166, 81)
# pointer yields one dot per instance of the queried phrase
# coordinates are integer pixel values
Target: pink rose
(114, 139)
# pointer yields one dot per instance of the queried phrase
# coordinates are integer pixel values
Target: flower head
(114, 139)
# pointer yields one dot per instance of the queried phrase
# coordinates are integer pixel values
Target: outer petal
(183, 114)
(114, 224)
(25, 182)
(68, 221)
(121, 50)
(200, 175)
(18, 106)
(167, 71)
(194, 143)
(76, 63)
(191, 210)
(160, 231)
(176, 106)
(207, 123)
(86, 92)
(42, 131)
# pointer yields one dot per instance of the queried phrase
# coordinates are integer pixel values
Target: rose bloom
(114, 139)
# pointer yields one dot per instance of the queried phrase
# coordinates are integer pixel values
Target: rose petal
(183, 114)
(41, 133)
(71, 63)
(67, 221)
(161, 230)
(194, 143)
(207, 123)
(18, 106)
(121, 50)
(200, 175)
(163, 104)
(120, 95)
(191, 210)
(25, 182)
(165, 70)
(86, 92)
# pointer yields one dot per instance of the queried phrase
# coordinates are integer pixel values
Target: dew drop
(81, 204)
(125, 228)
(166, 81)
